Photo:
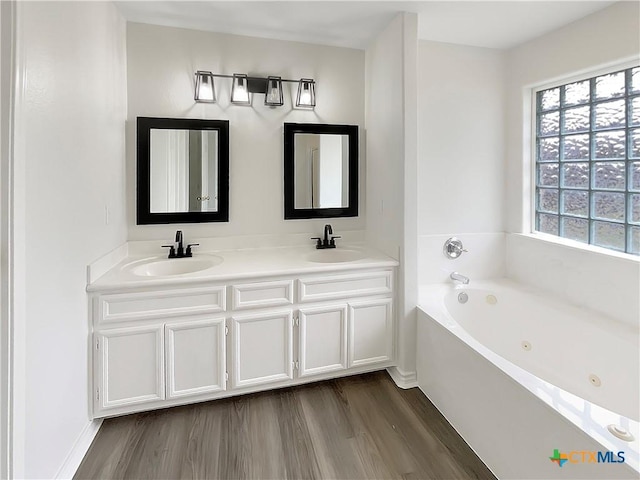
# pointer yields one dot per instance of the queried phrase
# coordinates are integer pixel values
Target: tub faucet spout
(459, 278)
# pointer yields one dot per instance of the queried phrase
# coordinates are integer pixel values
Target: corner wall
(602, 282)
(7, 27)
(70, 106)
(161, 66)
(391, 116)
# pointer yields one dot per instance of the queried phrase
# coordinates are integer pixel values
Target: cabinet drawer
(133, 306)
(262, 294)
(343, 286)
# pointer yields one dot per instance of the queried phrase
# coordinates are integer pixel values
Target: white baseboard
(79, 449)
(403, 379)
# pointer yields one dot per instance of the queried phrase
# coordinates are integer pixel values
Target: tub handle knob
(453, 248)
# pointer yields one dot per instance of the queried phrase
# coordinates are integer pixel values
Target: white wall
(385, 139)
(69, 159)
(391, 117)
(460, 159)
(6, 70)
(605, 283)
(161, 64)
(598, 281)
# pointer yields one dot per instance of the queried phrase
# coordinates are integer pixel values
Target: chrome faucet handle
(453, 248)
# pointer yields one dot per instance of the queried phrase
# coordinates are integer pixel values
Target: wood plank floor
(361, 427)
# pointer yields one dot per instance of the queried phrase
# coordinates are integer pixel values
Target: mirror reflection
(184, 171)
(321, 171)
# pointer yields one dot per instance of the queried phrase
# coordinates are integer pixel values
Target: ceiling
(494, 24)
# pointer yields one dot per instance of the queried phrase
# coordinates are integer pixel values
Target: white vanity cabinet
(175, 344)
(262, 349)
(355, 333)
(151, 347)
(129, 366)
(322, 339)
(157, 362)
(195, 353)
(370, 331)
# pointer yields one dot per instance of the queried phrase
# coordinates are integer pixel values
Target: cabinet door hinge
(97, 344)
(296, 321)
(226, 376)
(226, 330)
(97, 394)
(296, 365)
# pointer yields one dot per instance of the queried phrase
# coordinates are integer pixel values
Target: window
(588, 161)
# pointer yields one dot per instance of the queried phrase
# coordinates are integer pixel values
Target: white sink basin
(335, 255)
(167, 267)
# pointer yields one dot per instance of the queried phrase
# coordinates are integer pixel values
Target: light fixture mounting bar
(222, 75)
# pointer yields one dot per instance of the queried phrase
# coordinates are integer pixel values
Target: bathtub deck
(360, 427)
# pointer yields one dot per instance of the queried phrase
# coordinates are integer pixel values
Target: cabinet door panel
(370, 332)
(323, 339)
(195, 357)
(131, 365)
(263, 348)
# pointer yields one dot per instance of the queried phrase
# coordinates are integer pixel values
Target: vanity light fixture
(243, 86)
(306, 97)
(240, 90)
(205, 89)
(273, 96)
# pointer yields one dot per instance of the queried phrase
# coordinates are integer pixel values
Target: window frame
(531, 115)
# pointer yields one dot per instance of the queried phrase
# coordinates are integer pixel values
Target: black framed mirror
(183, 170)
(320, 170)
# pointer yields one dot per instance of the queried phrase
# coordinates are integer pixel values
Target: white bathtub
(520, 375)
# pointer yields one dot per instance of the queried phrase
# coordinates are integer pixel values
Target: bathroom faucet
(327, 231)
(326, 242)
(459, 278)
(180, 253)
(179, 242)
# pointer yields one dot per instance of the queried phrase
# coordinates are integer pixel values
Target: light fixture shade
(205, 88)
(273, 97)
(240, 90)
(306, 97)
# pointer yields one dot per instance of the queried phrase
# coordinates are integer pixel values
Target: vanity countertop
(223, 265)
